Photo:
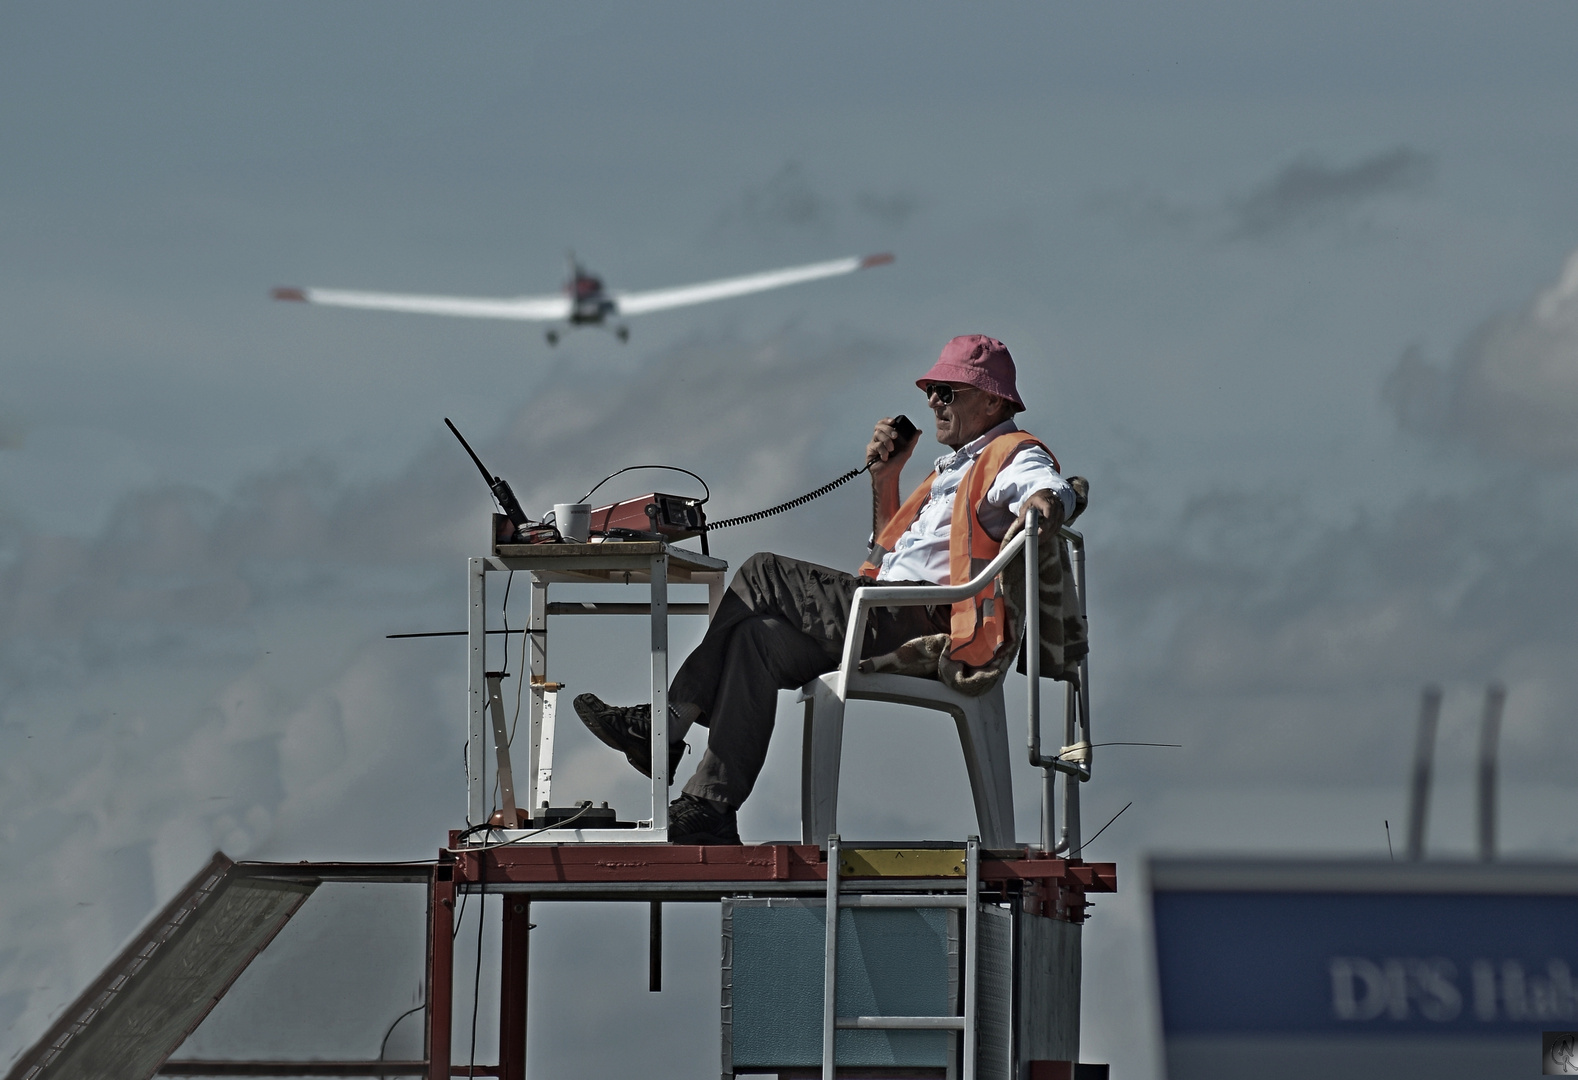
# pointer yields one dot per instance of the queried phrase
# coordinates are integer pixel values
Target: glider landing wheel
(552, 337)
(623, 334)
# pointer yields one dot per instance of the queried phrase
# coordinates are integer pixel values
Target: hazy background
(1286, 282)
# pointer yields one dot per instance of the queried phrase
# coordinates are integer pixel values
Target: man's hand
(1051, 509)
(885, 456)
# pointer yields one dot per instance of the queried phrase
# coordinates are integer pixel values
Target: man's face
(971, 414)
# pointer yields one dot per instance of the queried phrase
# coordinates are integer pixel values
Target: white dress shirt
(921, 553)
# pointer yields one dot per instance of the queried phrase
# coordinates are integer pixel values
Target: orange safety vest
(978, 624)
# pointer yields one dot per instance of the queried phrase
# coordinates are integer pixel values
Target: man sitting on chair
(782, 622)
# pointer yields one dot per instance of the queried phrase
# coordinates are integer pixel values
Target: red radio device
(655, 516)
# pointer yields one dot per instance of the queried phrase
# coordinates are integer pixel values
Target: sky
(1293, 286)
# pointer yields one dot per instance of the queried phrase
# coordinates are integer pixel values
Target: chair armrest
(916, 595)
(870, 596)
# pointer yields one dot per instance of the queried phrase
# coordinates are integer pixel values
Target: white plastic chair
(982, 721)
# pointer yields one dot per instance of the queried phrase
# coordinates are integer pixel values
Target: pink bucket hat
(979, 361)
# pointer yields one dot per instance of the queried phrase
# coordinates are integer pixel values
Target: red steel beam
(594, 863)
(598, 863)
(440, 969)
(514, 965)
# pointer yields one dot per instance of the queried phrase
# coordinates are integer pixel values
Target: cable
(504, 611)
(1103, 829)
(745, 519)
(461, 839)
(518, 839)
(460, 916)
(670, 468)
(465, 770)
(519, 686)
(383, 1047)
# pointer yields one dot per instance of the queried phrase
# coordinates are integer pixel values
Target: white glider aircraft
(584, 301)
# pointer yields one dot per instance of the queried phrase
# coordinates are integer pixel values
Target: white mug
(573, 520)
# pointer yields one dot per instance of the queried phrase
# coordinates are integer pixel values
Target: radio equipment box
(656, 516)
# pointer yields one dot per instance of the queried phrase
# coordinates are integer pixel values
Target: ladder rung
(966, 1024)
(902, 1023)
(889, 900)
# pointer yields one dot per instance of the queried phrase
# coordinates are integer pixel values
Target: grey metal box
(895, 962)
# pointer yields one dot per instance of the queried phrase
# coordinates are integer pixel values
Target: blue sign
(1429, 969)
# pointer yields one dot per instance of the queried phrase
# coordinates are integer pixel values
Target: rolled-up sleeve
(1030, 471)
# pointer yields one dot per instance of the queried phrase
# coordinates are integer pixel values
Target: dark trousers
(780, 624)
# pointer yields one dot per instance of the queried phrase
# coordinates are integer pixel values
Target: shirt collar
(972, 449)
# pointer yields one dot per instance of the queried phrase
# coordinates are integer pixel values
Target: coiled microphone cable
(771, 511)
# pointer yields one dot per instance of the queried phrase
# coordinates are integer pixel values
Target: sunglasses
(943, 392)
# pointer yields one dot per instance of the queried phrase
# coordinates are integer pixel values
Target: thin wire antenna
(1424, 750)
(1110, 820)
(1390, 854)
(462, 633)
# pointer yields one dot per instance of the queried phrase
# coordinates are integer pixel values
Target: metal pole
(1048, 810)
(513, 974)
(476, 691)
(1489, 735)
(1071, 816)
(655, 946)
(830, 966)
(972, 951)
(537, 631)
(1419, 790)
(1071, 845)
(1033, 668)
(660, 777)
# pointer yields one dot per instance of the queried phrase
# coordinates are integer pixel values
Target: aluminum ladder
(832, 1023)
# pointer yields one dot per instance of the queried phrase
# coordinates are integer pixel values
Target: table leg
(660, 777)
(537, 631)
(476, 692)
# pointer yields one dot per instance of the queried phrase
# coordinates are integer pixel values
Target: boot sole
(644, 767)
(643, 763)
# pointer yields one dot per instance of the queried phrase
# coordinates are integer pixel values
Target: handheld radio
(905, 429)
(500, 488)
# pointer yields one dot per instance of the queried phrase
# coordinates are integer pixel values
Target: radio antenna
(498, 485)
(483, 469)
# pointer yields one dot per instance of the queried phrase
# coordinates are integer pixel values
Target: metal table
(654, 563)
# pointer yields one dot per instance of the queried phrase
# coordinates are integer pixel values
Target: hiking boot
(628, 729)
(698, 821)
